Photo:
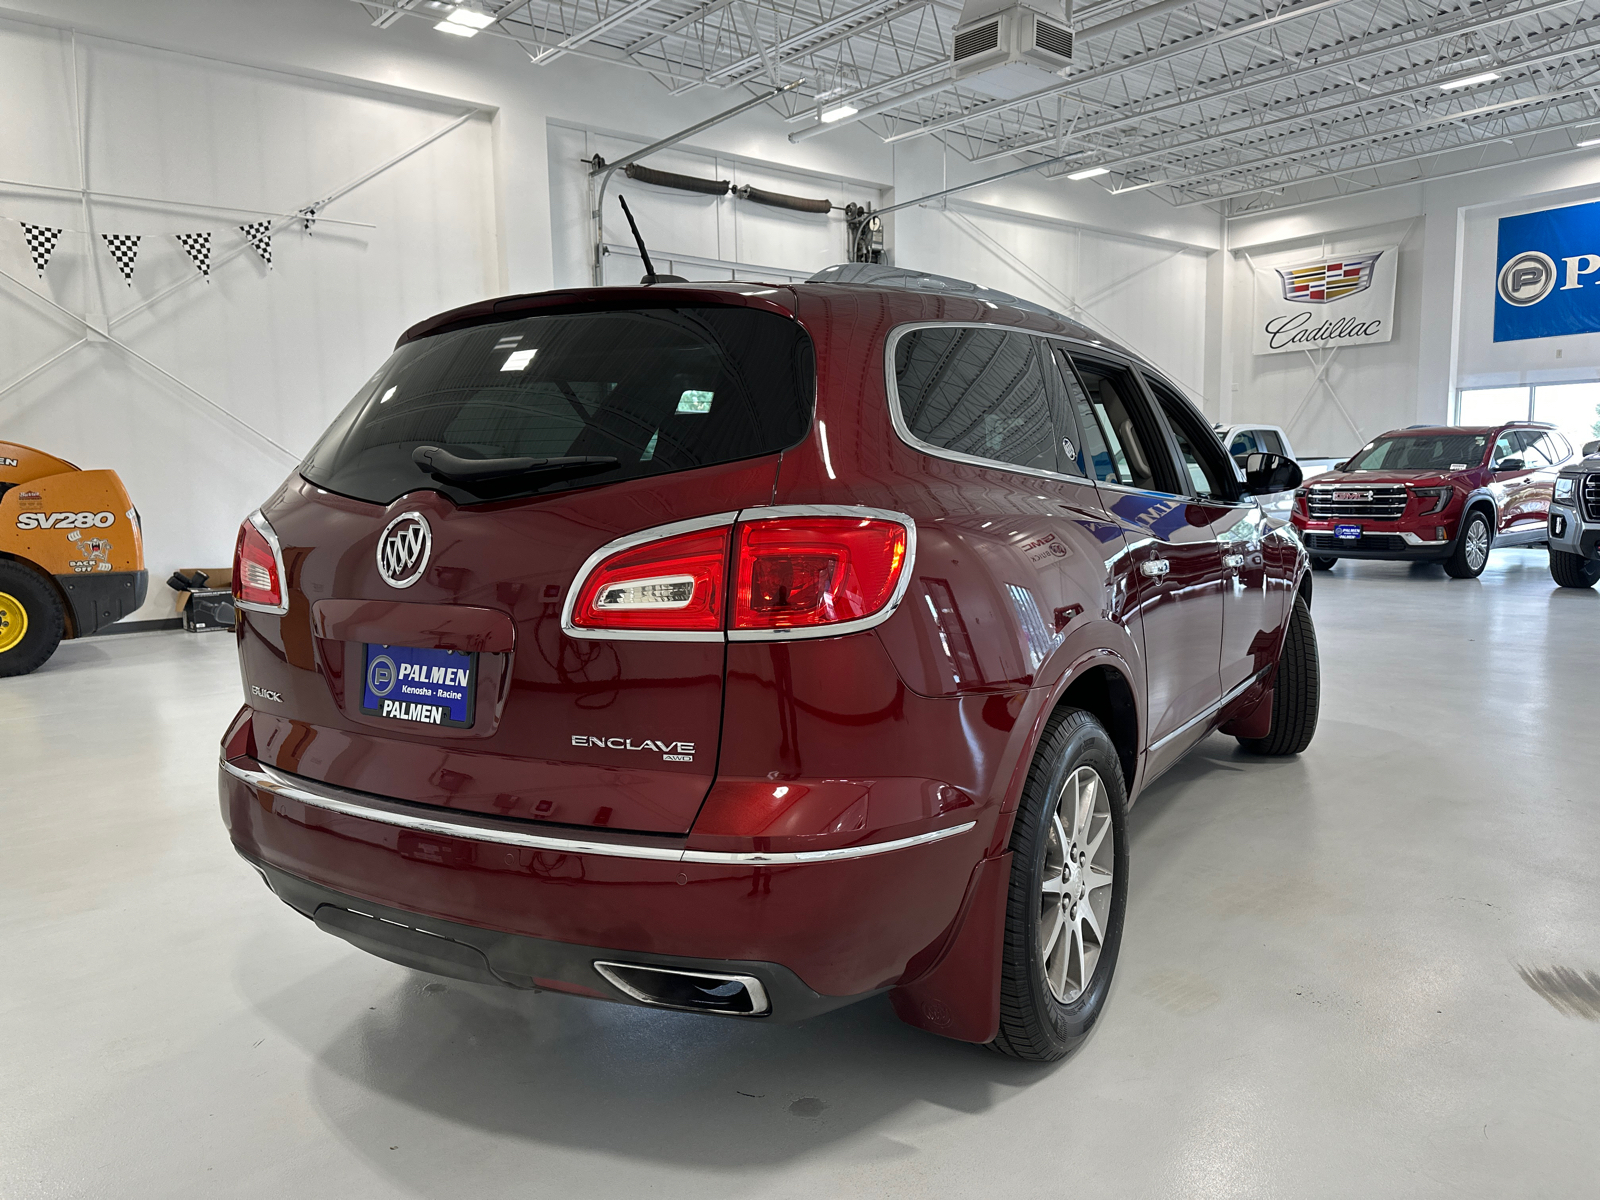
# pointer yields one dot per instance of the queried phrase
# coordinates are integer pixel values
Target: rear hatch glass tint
(658, 389)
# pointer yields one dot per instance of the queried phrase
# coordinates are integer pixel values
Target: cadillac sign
(1312, 304)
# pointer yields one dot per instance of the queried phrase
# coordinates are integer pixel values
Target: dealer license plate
(1347, 533)
(427, 687)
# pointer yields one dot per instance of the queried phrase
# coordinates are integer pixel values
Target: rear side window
(1117, 446)
(977, 391)
(1271, 443)
(659, 390)
(1208, 472)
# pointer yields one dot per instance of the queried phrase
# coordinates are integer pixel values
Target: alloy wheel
(1477, 544)
(1074, 897)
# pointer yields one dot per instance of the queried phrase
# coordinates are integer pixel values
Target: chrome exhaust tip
(688, 991)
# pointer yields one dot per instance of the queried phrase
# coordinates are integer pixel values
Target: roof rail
(879, 275)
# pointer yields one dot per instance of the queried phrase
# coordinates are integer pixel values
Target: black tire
(1573, 570)
(40, 609)
(1034, 1024)
(1297, 694)
(1318, 563)
(1458, 565)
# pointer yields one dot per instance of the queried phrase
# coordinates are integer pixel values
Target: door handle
(1233, 562)
(1155, 567)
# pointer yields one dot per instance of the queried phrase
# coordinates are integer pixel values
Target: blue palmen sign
(1548, 274)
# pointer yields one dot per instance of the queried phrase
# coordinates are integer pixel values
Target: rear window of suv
(658, 389)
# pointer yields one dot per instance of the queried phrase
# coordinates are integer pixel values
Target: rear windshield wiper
(441, 464)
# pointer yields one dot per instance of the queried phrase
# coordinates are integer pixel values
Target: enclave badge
(403, 549)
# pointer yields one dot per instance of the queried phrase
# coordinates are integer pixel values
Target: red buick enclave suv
(752, 650)
(1441, 493)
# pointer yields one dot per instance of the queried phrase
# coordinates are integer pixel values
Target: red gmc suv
(1443, 493)
(751, 650)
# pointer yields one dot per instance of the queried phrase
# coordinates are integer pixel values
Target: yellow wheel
(31, 618)
(13, 622)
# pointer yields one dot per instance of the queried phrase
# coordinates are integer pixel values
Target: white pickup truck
(1268, 439)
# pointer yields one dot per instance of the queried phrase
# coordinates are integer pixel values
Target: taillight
(672, 584)
(815, 571)
(808, 571)
(258, 568)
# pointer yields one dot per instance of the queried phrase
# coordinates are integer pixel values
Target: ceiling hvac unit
(1005, 49)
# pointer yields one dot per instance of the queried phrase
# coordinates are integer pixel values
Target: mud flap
(1256, 722)
(960, 997)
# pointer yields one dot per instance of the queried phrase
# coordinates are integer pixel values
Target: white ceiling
(1238, 104)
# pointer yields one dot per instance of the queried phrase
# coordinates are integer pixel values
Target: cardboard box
(210, 607)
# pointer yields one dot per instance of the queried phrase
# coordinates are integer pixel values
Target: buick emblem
(403, 549)
(1527, 279)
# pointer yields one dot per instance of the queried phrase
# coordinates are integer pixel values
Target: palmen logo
(1527, 278)
(1329, 280)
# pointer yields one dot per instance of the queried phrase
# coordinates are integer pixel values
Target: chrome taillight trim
(721, 520)
(396, 813)
(629, 542)
(840, 628)
(261, 526)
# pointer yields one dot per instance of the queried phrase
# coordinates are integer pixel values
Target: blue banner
(1547, 281)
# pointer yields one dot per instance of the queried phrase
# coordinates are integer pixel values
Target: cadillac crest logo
(403, 549)
(1325, 282)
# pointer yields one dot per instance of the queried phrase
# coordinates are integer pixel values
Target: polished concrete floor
(1373, 970)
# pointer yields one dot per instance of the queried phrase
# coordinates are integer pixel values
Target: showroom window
(1573, 408)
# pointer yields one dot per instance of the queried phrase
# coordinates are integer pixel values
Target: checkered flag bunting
(41, 241)
(259, 235)
(124, 249)
(198, 247)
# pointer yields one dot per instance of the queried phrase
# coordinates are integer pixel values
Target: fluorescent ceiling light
(518, 360)
(1586, 135)
(838, 113)
(1469, 81)
(1090, 173)
(464, 22)
(1594, 141)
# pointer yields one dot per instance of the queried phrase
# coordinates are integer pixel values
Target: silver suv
(1575, 522)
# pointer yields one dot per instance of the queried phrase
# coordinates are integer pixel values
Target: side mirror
(1591, 448)
(1340, 466)
(1510, 464)
(1265, 474)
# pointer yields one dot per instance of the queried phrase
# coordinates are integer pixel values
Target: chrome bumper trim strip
(353, 804)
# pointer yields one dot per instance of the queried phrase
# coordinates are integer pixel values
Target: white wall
(264, 106)
(1360, 390)
(1444, 304)
(265, 357)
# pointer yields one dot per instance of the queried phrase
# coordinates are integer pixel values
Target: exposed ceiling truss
(1243, 105)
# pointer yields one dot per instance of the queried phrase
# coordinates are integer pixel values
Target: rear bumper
(541, 903)
(485, 956)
